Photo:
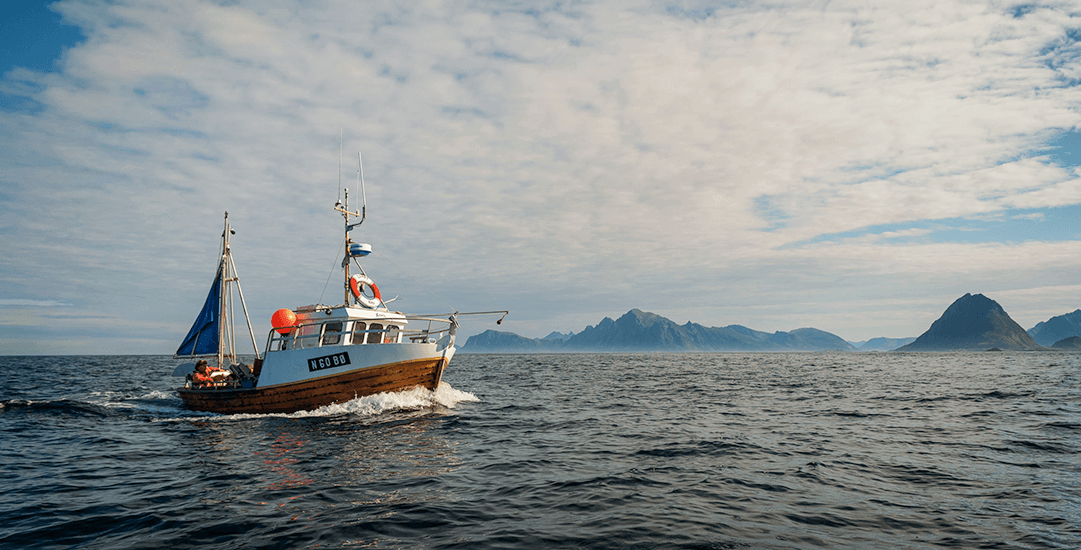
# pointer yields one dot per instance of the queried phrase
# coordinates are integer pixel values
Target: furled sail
(202, 339)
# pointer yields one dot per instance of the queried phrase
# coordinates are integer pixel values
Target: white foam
(416, 398)
(449, 397)
(159, 394)
(124, 400)
(371, 405)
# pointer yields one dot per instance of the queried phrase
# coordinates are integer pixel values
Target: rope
(331, 274)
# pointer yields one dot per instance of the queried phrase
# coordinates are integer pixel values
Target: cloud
(1038, 216)
(17, 302)
(566, 161)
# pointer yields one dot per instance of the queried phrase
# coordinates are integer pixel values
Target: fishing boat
(315, 355)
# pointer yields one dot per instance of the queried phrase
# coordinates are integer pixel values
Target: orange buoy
(283, 320)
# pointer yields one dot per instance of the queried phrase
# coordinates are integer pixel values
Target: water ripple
(814, 450)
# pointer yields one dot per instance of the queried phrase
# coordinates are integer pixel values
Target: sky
(851, 166)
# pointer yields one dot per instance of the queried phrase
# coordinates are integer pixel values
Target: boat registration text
(329, 361)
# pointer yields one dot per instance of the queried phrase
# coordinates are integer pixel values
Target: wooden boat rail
(223, 385)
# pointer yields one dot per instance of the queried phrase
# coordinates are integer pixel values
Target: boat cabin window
(358, 332)
(332, 334)
(307, 337)
(376, 334)
(392, 335)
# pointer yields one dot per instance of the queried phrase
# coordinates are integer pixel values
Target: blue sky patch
(32, 36)
(769, 210)
(1066, 149)
(1043, 224)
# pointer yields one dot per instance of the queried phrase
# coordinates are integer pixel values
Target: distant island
(1048, 332)
(1073, 343)
(972, 322)
(638, 330)
(882, 344)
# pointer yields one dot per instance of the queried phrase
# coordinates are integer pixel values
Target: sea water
(724, 450)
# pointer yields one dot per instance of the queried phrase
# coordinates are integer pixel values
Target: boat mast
(226, 320)
(223, 291)
(344, 209)
(345, 214)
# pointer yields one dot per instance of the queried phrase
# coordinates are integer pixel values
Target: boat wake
(56, 407)
(166, 405)
(380, 403)
(105, 404)
(373, 405)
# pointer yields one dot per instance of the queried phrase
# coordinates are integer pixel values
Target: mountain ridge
(1057, 328)
(639, 330)
(972, 322)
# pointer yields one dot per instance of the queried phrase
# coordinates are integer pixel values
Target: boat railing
(433, 330)
(321, 333)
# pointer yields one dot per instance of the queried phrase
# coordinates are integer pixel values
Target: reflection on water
(280, 462)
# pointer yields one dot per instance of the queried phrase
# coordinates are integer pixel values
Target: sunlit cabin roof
(319, 312)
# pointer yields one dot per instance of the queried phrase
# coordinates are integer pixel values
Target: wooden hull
(312, 394)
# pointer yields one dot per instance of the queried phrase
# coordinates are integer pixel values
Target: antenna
(364, 206)
(341, 132)
(363, 196)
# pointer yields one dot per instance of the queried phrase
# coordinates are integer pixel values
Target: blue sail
(202, 339)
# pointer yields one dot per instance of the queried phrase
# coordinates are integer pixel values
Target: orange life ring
(356, 283)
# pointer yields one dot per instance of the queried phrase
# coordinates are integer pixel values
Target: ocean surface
(702, 451)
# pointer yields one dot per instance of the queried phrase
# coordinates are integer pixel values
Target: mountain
(810, 339)
(509, 342)
(558, 336)
(1072, 343)
(638, 330)
(973, 322)
(634, 331)
(1057, 328)
(884, 344)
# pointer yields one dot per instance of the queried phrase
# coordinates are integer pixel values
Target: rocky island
(973, 322)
